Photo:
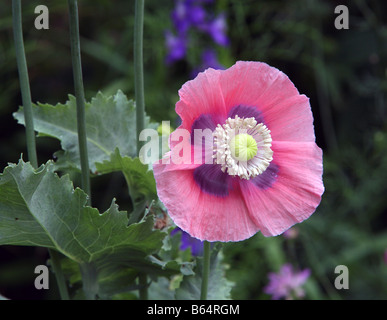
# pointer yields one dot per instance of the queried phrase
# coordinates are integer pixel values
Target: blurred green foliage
(343, 72)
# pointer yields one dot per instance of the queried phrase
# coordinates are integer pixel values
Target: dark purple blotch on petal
(204, 121)
(211, 179)
(266, 179)
(243, 111)
(204, 139)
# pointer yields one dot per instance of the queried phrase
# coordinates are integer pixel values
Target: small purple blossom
(209, 60)
(177, 47)
(187, 13)
(192, 15)
(217, 30)
(287, 283)
(291, 233)
(179, 17)
(189, 242)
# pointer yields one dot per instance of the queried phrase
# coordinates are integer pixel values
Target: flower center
(242, 147)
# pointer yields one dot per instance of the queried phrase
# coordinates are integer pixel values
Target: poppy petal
(285, 112)
(202, 95)
(201, 199)
(212, 179)
(294, 195)
(266, 179)
(202, 215)
(243, 111)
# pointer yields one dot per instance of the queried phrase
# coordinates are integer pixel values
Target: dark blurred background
(343, 72)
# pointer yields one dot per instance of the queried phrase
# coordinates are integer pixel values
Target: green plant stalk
(29, 123)
(140, 100)
(206, 269)
(143, 291)
(80, 96)
(88, 271)
(60, 279)
(89, 280)
(24, 82)
(139, 70)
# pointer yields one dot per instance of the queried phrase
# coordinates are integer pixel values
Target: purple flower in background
(217, 30)
(177, 47)
(287, 283)
(180, 17)
(203, 1)
(189, 242)
(209, 60)
(291, 233)
(191, 15)
(197, 15)
(186, 14)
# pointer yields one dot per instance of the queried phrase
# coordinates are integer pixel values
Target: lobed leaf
(39, 208)
(110, 123)
(141, 182)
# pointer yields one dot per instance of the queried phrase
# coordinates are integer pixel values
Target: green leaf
(110, 123)
(219, 288)
(161, 290)
(141, 182)
(115, 278)
(39, 208)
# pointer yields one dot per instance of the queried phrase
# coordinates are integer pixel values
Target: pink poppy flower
(259, 168)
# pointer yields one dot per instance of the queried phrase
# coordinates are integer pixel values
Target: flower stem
(206, 269)
(29, 123)
(88, 270)
(89, 275)
(55, 261)
(80, 95)
(140, 100)
(143, 291)
(139, 72)
(24, 82)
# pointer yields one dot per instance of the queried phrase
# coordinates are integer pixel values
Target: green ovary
(243, 147)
